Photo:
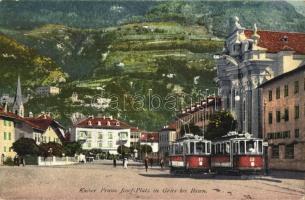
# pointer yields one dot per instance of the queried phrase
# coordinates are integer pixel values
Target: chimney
(108, 123)
(99, 123)
(111, 118)
(104, 117)
(31, 114)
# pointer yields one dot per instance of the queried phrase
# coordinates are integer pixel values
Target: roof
(149, 137)
(18, 97)
(135, 129)
(170, 127)
(296, 70)
(21, 119)
(200, 106)
(103, 123)
(280, 41)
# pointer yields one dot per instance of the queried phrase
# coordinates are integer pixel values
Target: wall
(7, 127)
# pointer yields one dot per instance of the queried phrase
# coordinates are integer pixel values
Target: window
(123, 135)
(286, 90)
(297, 112)
(89, 135)
(242, 147)
(250, 147)
(297, 133)
(275, 152)
(100, 136)
(296, 87)
(192, 146)
(5, 136)
(278, 116)
(270, 95)
(289, 151)
(270, 117)
(100, 144)
(9, 136)
(286, 115)
(89, 143)
(278, 93)
(4, 148)
(110, 135)
(304, 83)
(4, 122)
(110, 144)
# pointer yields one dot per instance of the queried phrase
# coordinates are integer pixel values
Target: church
(250, 58)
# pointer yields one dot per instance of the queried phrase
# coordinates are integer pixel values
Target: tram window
(208, 147)
(260, 146)
(250, 146)
(192, 147)
(242, 147)
(213, 149)
(227, 150)
(223, 148)
(200, 148)
(235, 148)
(217, 148)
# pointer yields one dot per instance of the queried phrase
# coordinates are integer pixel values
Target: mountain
(34, 69)
(79, 14)
(216, 15)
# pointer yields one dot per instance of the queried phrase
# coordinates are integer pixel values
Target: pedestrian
(22, 161)
(125, 163)
(114, 161)
(146, 163)
(151, 162)
(161, 163)
(2, 159)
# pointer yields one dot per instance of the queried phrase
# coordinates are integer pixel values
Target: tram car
(237, 153)
(190, 154)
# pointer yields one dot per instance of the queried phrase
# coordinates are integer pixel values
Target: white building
(47, 90)
(150, 139)
(103, 133)
(167, 136)
(249, 58)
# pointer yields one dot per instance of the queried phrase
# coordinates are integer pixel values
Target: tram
(237, 153)
(190, 154)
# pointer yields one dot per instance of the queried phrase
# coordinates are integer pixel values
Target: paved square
(99, 180)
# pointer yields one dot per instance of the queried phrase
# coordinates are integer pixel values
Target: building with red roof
(105, 133)
(250, 58)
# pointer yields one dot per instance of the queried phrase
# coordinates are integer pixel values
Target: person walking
(125, 163)
(114, 161)
(161, 163)
(151, 162)
(146, 163)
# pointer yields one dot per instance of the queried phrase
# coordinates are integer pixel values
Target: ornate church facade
(249, 58)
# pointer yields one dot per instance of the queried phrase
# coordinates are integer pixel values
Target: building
(18, 107)
(198, 114)
(167, 136)
(249, 58)
(135, 134)
(7, 133)
(47, 90)
(103, 133)
(283, 98)
(42, 129)
(150, 139)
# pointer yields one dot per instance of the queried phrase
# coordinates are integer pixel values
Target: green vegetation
(220, 124)
(17, 59)
(25, 146)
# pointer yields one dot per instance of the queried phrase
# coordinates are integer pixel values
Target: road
(99, 180)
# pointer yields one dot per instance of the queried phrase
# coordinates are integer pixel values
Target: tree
(25, 146)
(191, 128)
(220, 124)
(123, 150)
(146, 148)
(72, 148)
(51, 149)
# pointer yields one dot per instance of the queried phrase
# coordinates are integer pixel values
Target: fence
(49, 161)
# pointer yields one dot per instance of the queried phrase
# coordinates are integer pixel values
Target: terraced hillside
(34, 69)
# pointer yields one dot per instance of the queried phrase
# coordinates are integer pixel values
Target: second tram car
(238, 153)
(190, 154)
